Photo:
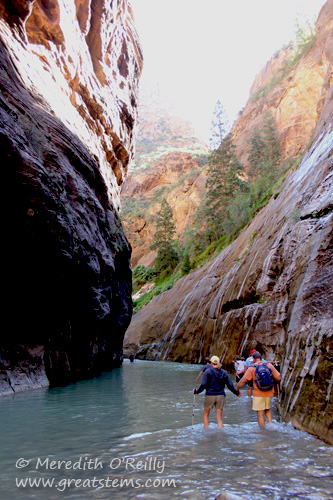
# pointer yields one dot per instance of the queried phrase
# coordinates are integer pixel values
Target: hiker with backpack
(249, 362)
(214, 380)
(263, 376)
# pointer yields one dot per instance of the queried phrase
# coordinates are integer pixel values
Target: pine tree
(167, 257)
(224, 180)
(264, 153)
(272, 148)
(219, 125)
(186, 264)
(256, 153)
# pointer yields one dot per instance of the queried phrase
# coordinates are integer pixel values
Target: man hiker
(249, 362)
(214, 380)
(263, 376)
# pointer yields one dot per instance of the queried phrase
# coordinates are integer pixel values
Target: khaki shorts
(261, 403)
(217, 401)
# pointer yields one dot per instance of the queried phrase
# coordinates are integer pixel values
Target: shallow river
(128, 434)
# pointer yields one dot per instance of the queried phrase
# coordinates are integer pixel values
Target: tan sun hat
(215, 360)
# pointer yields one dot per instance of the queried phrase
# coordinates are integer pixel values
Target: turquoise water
(134, 425)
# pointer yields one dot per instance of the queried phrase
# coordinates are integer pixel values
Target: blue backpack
(264, 377)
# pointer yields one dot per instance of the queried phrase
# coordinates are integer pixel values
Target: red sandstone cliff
(165, 161)
(69, 82)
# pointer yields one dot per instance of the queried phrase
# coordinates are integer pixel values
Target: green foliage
(186, 264)
(264, 153)
(202, 257)
(224, 181)
(167, 256)
(142, 274)
(162, 284)
(134, 208)
(238, 214)
(165, 227)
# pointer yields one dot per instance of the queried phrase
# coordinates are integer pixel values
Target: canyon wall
(271, 289)
(69, 83)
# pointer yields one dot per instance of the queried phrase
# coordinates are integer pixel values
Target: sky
(200, 51)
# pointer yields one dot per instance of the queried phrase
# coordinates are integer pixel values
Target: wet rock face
(68, 80)
(271, 289)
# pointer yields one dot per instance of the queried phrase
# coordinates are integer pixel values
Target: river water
(128, 435)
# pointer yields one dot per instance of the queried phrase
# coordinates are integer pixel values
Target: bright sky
(199, 51)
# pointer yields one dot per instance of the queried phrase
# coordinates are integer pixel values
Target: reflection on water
(134, 425)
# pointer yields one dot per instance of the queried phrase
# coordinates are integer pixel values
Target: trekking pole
(193, 410)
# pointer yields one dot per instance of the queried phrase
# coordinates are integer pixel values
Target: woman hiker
(214, 380)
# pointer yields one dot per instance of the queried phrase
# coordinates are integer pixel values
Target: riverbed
(131, 434)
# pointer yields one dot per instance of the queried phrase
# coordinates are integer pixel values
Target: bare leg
(219, 418)
(206, 417)
(268, 414)
(261, 417)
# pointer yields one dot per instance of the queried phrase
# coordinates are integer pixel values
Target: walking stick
(193, 410)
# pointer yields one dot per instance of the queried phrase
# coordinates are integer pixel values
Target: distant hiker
(204, 368)
(131, 357)
(247, 363)
(239, 367)
(263, 375)
(214, 380)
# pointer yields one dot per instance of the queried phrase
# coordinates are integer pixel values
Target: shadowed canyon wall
(69, 82)
(271, 289)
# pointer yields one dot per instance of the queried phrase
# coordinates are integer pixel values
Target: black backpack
(264, 378)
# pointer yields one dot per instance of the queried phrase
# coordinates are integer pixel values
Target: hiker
(263, 376)
(214, 380)
(249, 362)
(239, 365)
(204, 368)
(131, 357)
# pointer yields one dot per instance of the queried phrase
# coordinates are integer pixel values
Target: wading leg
(261, 417)
(269, 416)
(206, 417)
(219, 418)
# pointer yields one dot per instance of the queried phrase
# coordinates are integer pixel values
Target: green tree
(224, 181)
(167, 256)
(186, 264)
(264, 153)
(256, 155)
